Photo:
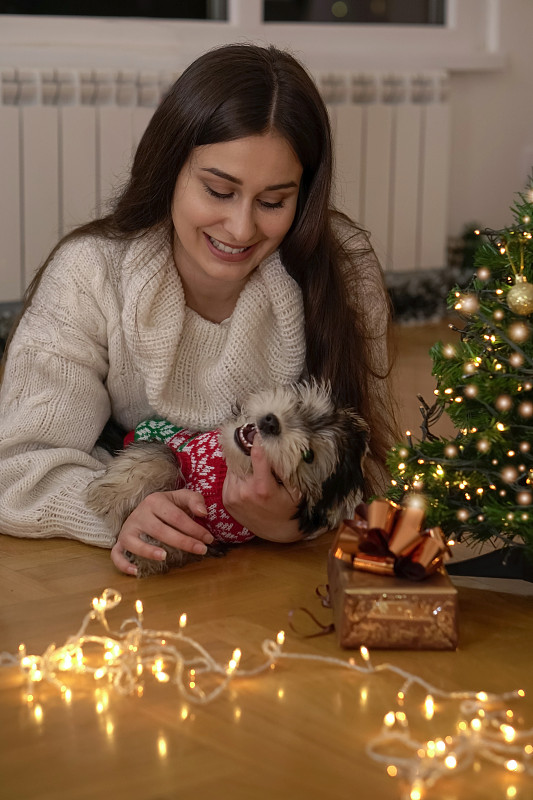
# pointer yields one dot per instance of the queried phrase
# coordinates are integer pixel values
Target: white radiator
(66, 139)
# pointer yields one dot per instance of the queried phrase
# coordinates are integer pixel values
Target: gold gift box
(387, 612)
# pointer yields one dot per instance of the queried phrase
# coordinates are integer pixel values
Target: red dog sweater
(204, 469)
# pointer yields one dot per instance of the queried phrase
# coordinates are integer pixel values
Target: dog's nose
(269, 424)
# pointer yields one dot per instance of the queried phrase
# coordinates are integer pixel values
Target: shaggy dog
(314, 449)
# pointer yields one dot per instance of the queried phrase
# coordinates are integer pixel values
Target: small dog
(314, 449)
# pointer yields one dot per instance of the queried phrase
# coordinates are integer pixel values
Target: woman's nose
(240, 223)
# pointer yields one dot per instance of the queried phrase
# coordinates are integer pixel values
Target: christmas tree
(478, 486)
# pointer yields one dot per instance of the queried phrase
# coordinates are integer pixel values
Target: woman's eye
(227, 196)
(218, 195)
(264, 203)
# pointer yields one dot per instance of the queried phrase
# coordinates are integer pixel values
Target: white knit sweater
(108, 333)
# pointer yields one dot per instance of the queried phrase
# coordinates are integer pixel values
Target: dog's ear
(346, 482)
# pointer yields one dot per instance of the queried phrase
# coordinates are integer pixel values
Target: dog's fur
(313, 448)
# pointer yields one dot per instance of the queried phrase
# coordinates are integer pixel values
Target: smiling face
(232, 206)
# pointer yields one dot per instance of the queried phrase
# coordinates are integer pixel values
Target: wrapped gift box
(390, 612)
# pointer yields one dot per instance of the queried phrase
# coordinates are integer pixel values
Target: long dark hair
(236, 91)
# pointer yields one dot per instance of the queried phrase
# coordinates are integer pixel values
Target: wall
(492, 127)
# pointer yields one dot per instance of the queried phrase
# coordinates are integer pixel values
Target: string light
(485, 729)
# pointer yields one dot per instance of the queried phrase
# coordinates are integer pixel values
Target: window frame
(470, 40)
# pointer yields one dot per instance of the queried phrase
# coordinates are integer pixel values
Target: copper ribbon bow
(386, 538)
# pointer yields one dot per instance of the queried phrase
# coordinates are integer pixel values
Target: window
(168, 9)
(454, 35)
(395, 12)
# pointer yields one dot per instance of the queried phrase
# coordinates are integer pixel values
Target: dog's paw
(175, 558)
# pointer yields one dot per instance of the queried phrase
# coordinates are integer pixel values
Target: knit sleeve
(54, 404)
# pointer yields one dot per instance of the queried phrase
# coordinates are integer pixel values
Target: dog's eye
(308, 456)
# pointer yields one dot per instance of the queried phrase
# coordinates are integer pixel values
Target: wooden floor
(412, 372)
(299, 731)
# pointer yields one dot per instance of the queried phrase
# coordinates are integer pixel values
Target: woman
(220, 269)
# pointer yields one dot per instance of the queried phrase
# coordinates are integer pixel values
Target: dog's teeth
(245, 436)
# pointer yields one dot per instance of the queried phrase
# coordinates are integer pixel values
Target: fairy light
(416, 793)
(234, 661)
(162, 747)
(484, 730)
(508, 732)
(429, 707)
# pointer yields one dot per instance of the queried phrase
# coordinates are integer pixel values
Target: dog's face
(311, 446)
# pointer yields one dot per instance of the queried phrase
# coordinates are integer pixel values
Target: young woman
(221, 268)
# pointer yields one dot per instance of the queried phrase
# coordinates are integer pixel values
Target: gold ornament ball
(520, 297)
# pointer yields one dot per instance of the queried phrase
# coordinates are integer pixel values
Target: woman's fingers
(168, 518)
(120, 561)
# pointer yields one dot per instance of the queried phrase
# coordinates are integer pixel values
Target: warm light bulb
(429, 707)
(508, 732)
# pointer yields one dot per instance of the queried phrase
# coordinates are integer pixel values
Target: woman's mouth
(225, 251)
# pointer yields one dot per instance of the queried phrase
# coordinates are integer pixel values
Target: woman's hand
(260, 503)
(167, 517)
